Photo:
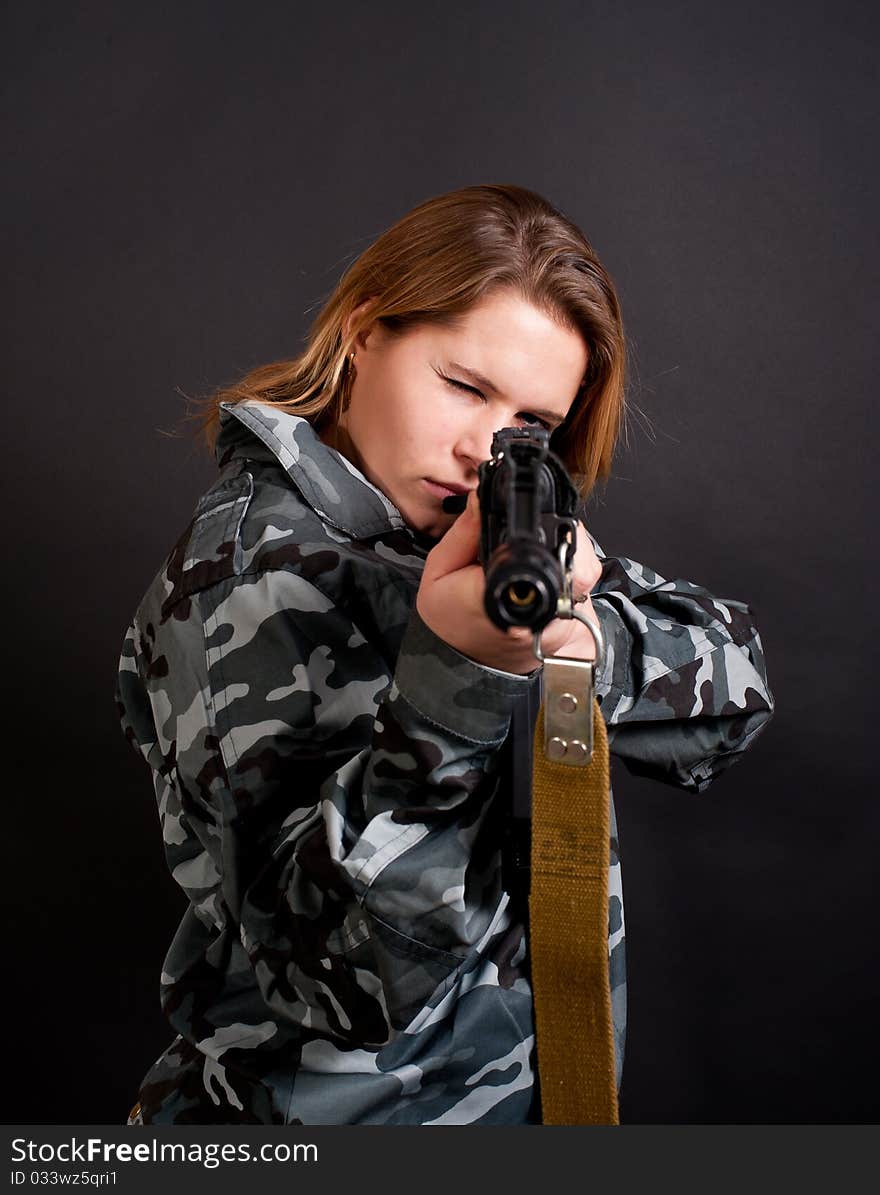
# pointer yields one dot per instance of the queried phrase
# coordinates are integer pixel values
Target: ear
(354, 318)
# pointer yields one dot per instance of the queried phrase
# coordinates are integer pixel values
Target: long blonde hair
(433, 264)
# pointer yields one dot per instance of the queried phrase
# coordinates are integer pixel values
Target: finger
(569, 637)
(587, 568)
(520, 634)
(459, 546)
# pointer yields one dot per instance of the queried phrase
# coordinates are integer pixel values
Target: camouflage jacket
(332, 790)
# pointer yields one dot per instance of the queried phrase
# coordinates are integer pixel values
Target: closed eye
(524, 415)
(460, 385)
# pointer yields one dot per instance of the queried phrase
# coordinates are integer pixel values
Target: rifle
(528, 532)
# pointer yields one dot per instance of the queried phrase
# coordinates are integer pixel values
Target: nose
(474, 443)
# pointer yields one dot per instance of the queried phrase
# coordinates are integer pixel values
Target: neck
(335, 435)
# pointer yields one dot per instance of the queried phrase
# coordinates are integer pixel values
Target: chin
(425, 518)
(431, 527)
(435, 524)
(438, 530)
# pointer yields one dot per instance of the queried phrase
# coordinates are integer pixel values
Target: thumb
(459, 547)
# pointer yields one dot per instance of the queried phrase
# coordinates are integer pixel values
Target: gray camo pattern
(331, 786)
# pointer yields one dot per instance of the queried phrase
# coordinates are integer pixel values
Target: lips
(447, 487)
(443, 489)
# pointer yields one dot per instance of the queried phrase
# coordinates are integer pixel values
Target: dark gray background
(185, 184)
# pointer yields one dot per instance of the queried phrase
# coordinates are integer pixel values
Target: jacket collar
(337, 491)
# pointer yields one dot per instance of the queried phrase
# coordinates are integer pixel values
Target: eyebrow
(483, 383)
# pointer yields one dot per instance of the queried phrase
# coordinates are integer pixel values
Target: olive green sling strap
(568, 901)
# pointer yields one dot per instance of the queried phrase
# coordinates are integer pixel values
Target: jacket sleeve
(684, 688)
(325, 815)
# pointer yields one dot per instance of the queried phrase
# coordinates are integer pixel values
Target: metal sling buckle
(568, 694)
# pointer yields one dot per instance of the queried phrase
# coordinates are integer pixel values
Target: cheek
(403, 417)
(414, 423)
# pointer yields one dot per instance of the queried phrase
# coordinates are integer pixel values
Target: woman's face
(425, 404)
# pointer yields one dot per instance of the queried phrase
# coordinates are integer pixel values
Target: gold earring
(345, 384)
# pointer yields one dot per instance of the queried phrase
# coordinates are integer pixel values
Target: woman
(327, 710)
